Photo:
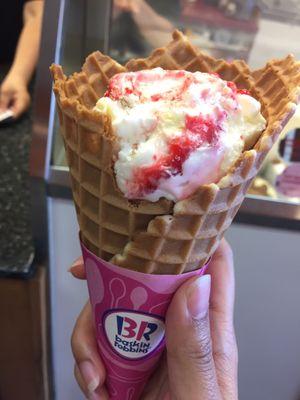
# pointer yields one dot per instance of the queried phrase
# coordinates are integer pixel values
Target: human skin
(154, 27)
(201, 353)
(14, 93)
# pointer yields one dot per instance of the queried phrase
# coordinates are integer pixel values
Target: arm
(146, 17)
(29, 42)
(14, 93)
(155, 28)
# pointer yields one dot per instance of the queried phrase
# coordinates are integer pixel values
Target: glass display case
(252, 30)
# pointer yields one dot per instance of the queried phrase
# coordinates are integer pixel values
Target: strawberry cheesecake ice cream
(177, 130)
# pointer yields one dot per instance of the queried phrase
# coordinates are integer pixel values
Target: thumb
(20, 103)
(5, 99)
(190, 360)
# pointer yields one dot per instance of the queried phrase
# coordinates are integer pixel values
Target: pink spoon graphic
(130, 393)
(138, 297)
(117, 291)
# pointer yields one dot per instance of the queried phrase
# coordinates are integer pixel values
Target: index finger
(77, 269)
(221, 270)
(221, 320)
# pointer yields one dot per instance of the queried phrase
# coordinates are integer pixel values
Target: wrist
(17, 76)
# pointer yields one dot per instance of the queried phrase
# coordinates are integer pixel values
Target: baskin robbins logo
(133, 335)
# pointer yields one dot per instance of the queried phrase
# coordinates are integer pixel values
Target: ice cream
(177, 130)
(160, 238)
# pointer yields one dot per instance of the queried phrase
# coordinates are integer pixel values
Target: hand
(14, 95)
(131, 6)
(201, 353)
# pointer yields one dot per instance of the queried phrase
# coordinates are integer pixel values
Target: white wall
(274, 40)
(267, 264)
(68, 295)
(267, 306)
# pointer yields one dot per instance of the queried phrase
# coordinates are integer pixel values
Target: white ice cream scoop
(177, 130)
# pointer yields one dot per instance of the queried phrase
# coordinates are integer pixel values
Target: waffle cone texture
(161, 237)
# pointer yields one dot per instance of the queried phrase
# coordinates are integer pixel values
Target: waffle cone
(161, 237)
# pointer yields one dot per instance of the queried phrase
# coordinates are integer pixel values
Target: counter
(16, 246)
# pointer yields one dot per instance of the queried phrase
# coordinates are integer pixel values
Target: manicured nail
(198, 297)
(89, 375)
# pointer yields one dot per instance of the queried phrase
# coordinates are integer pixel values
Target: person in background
(141, 25)
(20, 31)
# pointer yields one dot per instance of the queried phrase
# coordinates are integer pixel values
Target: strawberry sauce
(199, 131)
(131, 83)
(236, 91)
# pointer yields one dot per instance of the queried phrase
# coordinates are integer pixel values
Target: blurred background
(39, 300)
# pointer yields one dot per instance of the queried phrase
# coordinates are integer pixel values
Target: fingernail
(198, 297)
(89, 375)
(94, 396)
(75, 264)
